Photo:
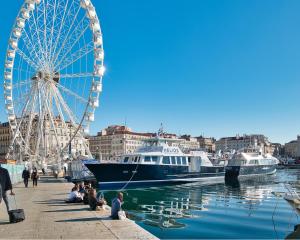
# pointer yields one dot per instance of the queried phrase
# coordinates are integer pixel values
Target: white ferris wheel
(53, 79)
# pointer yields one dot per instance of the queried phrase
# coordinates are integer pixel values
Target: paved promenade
(48, 217)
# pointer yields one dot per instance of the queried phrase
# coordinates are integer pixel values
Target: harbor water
(251, 208)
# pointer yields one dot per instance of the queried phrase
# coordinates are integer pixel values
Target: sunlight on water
(245, 209)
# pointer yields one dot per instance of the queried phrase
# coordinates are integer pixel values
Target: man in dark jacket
(26, 176)
(5, 185)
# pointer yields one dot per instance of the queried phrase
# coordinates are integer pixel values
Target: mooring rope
(133, 173)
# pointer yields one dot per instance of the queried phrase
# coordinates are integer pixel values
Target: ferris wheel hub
(46, 76)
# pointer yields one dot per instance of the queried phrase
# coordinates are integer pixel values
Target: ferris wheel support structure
(53, 79)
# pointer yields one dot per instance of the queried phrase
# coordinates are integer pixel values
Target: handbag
(122, 215)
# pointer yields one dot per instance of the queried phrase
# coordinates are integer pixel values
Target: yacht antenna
(161, 130)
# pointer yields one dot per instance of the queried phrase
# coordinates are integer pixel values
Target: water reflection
(165, 213)
(227, 210)
(166, 207)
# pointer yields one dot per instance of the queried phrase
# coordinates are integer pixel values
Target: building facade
(111, 143)
(239, 142)
(292, 148)
(188, 143)
(54, 141)
(207, 144)
(5, 139)
(114, 141)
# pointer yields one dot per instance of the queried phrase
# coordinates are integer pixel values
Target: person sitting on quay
(74, 196)
(82, 187)
(94, 202)
(116, 207)
(88, 187)
(26, 176)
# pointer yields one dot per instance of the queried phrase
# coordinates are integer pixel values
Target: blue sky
(218, 67)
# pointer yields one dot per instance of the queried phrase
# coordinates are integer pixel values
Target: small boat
(160, 161)
(248, 162)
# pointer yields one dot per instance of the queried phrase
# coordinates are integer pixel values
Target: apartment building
(207, 144)
(114, 141)
(238, 142)
(5, 139)
(188, 143)
(292, 148)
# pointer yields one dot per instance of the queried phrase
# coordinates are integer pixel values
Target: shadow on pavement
(59, 180)
(68, 210)
(52, 201)
(4, 222)
(80, 220)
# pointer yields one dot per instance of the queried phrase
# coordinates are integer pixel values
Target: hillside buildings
(112, 142)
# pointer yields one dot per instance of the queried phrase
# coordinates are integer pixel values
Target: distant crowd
(33, 174)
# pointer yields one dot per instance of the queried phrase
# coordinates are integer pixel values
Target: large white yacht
(160, 161)
(250, 161)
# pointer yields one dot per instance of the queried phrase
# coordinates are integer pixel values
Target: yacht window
(184, 160)
(147, 159)
(166, 160)
(126, 159)
(154, 158)
(135, 159)
(189, 159)
(173, 160)
(178, 160)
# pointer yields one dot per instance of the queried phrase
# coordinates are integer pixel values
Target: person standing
(5, 185)
(26, 176)
(34, 177)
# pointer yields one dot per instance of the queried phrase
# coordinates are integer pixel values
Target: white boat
(250, 162)
(160, 161)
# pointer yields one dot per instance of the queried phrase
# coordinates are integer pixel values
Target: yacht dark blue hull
(234, 172)
(116, 176)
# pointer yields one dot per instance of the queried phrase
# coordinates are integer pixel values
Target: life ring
(226, 156)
